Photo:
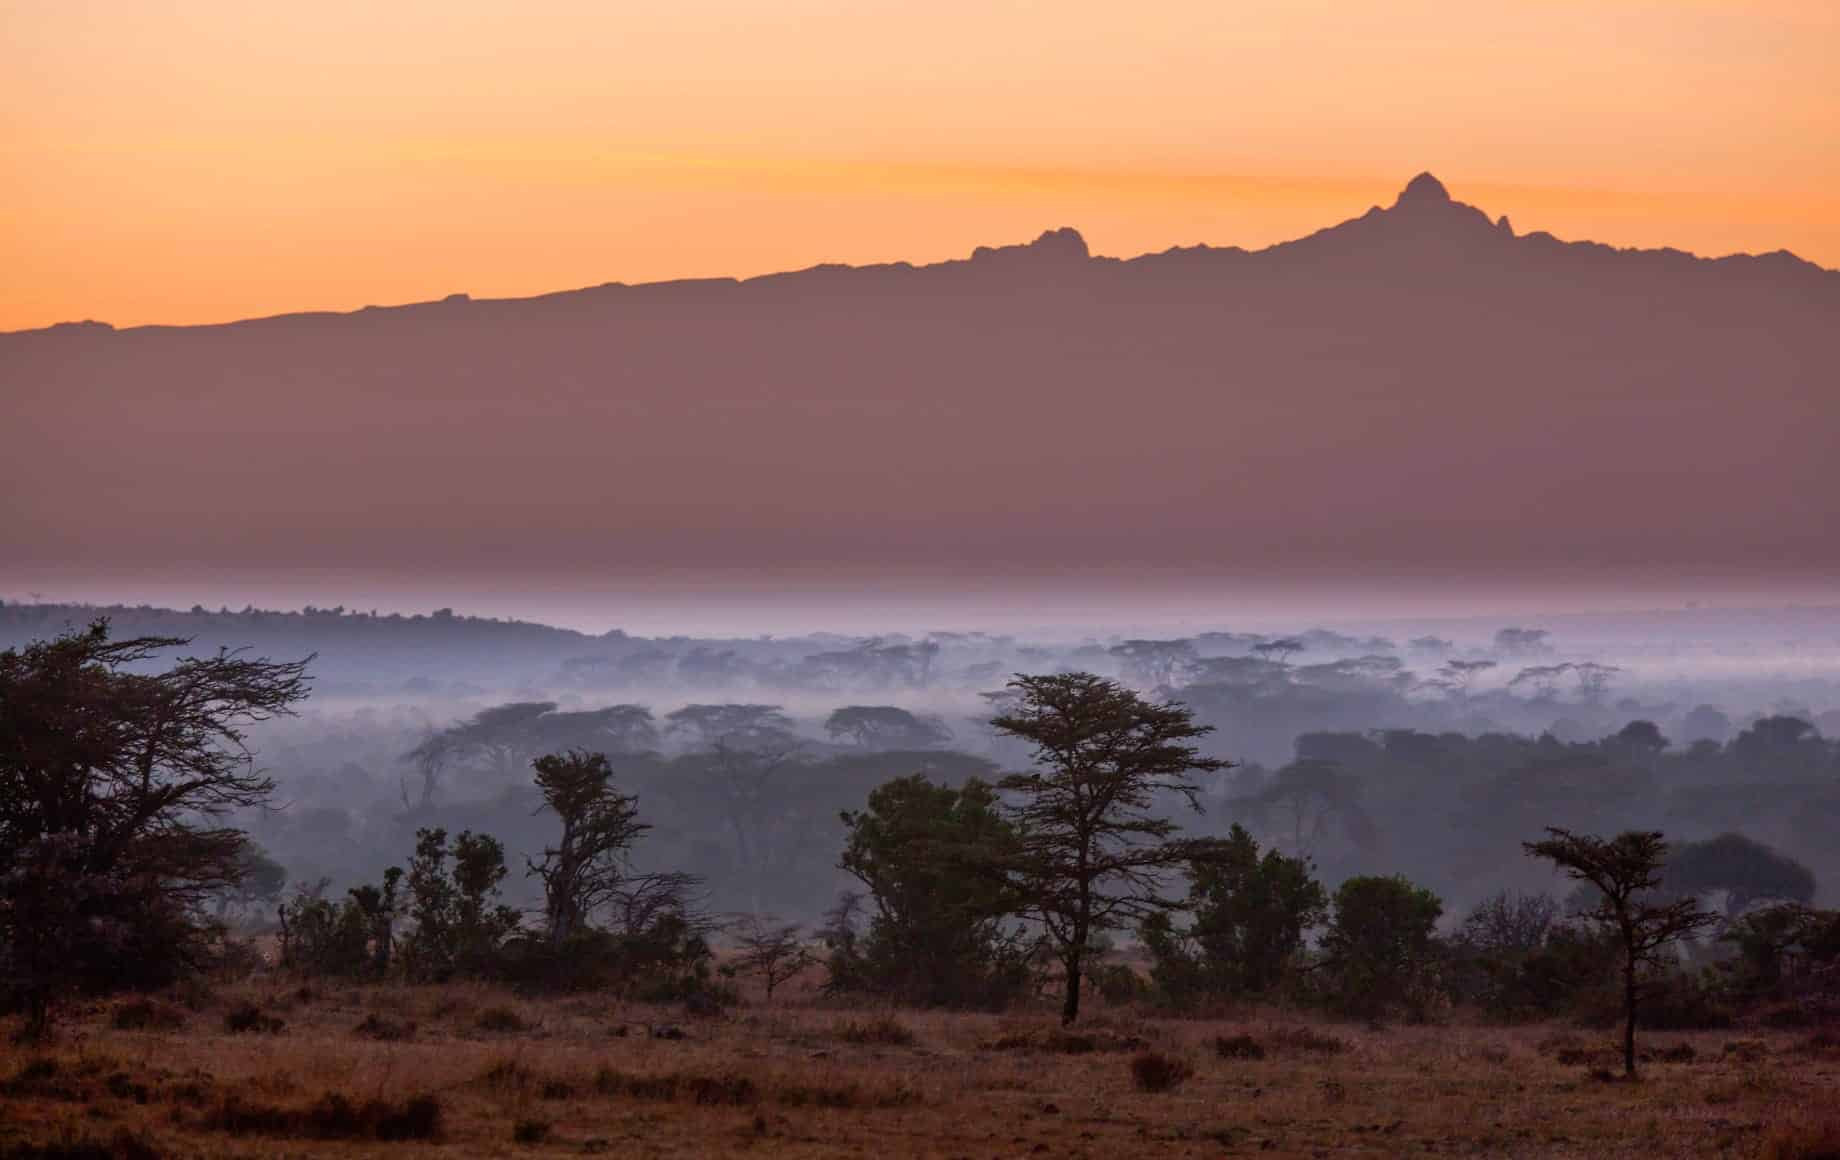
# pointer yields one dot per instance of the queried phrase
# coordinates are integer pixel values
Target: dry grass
(795, 1081)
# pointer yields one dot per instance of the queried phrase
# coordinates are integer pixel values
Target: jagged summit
(1423, 190)
(1064, 244)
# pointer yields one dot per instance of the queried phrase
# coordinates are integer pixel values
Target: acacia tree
(1626, 870)
(113, 787)
(1092, 851)
(588, 864)
(771, 951)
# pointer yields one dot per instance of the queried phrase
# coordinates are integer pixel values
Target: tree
(1092, 850)
(1625, 870)
(1381, 943)
(1279, 650)
(770, 951)
(1746, 872)
(505, 736)
(586, 867)
(1154, 664)
(1310, 794)
(114, 784)
(886, 727)
(349, 938)
(1456, 676)
(748, 747)
(1250, 916)
(459, 923)
(933, 859)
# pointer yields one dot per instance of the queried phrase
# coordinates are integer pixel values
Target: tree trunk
(1070, 1002)
(1629, 1017)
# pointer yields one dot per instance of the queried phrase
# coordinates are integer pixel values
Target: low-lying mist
(1429, 748)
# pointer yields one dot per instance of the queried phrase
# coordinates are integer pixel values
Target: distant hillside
(1417, 390)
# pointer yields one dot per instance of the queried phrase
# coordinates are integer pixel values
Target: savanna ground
(586, 1075)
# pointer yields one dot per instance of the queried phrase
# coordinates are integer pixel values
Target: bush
(1251, 913)
(1306, 1039)
(942, 934)
(1380, 947)
(500, 1019)
(1817, 1140)
(1238, 1047)
(251, 1019)
(147, 1015)
(123, 1145)
(334, 1117)
(384, 1030)
(1153, 1071)
(725, 1089)
(885, 1031)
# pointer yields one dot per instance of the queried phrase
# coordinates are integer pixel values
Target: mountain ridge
(1419, 390)
(1423, 201)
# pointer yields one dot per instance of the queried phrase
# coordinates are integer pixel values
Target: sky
(205, 160)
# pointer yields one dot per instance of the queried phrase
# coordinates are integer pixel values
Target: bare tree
(1625, 870)
(1092, 851)
(770, 951)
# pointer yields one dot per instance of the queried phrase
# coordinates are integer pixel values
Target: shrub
(1064, 1042)
(941, 934)
(1819, 1140)
(725, 1089)
(1251, 913)
(385, 1030)
(500, 1019)
(1119, 983)
(1380, 946)
(1238, 1047)
(885, 1031)
(145, 1014)
(1306, 1039)
(1152, 1071)
(334, 1117)
(248, 1018)
(123, 1145)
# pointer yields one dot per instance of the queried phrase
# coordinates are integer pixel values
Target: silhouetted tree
(588, 863)
(1744, 871)
(933, 859)
(770, 951)
(459, 924)
(1625, 870)
(1380, 944)
(112, 784)
(1154, 664)
(886, 727)
(1250, 915)
(1093, 853)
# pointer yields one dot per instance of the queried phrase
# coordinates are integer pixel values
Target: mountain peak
(1423, 190)
(1064, 244)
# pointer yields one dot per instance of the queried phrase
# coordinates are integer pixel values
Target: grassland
(348, 1072)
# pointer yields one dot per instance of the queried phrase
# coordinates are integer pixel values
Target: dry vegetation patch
(811, 1081)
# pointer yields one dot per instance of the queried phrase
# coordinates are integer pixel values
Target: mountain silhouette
(1418, 390)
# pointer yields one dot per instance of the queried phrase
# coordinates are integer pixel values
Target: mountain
(1418, 391)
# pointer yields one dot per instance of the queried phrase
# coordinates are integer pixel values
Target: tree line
(114, 782)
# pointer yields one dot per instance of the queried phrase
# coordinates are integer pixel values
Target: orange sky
(212, 159)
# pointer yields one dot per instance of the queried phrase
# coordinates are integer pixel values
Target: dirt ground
(585, 1075)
